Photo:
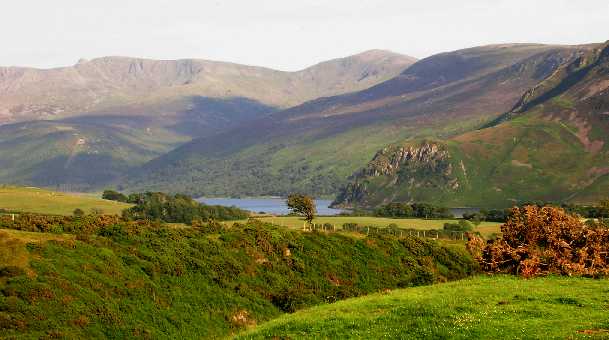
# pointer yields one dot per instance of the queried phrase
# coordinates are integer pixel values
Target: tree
(114, 196)
(78, 212)
(303, 205)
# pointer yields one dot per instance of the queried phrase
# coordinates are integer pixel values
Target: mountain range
(483, 126)
(83, 126)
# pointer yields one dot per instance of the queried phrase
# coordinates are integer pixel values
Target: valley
(460, 195)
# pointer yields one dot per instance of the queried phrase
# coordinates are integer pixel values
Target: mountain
(81, 127)
(76, 156)
(552, 145)
(315, 146)
(137, 86)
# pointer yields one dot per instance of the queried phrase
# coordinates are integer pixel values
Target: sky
(282, 34)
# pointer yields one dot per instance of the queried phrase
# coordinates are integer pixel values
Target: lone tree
(303, 205)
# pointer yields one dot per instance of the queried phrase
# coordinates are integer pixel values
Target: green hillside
(552, 146)
(314, 147)
(141, 280)
(491, 307)
(77, 156)
(35, 200)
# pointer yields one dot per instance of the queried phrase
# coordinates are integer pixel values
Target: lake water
(275, 206)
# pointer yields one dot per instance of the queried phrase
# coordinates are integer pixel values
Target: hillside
(77, 156)
(551, 146)
(497, 307)
(141, 280)
(314, 147)
(92, 122)
(35, 200)
(136, 85)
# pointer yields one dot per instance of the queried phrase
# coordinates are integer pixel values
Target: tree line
(179, 208)
(418, 210)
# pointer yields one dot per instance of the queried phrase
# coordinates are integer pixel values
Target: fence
(390, 230)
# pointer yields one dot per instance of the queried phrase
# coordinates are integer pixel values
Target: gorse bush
(58, 224)
(545, 240)
(126, 280)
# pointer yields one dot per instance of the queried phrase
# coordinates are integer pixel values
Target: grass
(36, 200)
(295, 222)
(488, 307)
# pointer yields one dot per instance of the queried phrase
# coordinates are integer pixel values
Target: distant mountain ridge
(115, 83)
(84, 126)
(315, 146)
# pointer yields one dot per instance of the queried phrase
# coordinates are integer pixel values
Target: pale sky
(282, 34)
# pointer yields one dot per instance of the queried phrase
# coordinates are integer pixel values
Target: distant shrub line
(418, 210)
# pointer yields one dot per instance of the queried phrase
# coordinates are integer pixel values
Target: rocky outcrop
(400, 171)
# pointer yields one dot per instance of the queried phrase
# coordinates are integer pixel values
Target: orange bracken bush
(544, 240)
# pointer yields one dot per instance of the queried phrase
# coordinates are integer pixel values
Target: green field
(486, 228)
(489, 307)
(36, 200)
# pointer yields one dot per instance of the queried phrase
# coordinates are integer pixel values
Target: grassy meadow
(295, 222)
(36, 200)
(490, 307)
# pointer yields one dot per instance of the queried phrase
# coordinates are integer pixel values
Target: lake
(275, 206)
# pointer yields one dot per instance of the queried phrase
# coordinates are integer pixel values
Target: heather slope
(314, 147)
(551, 146)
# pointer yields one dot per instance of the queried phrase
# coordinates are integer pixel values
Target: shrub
(545, 240)
(114, 196)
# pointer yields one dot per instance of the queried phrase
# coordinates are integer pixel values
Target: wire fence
(389, 230)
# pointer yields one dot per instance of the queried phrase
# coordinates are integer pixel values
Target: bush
(114, 196)
(545, 240)
(462, 225)
(78, 212)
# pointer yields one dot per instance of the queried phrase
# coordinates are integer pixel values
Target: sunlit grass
(36, 200)
(490, 307)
